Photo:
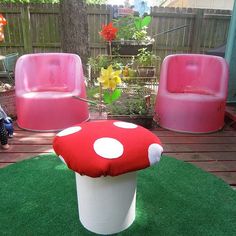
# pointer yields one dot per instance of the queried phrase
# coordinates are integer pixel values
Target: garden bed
(143, 120)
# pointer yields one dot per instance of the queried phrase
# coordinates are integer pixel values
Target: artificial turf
(38, 197)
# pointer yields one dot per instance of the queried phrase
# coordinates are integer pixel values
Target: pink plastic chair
(45, 84)
(192, 93)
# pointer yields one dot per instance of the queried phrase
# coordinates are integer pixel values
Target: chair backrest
(194, 73)
(61, 72)
(7, 67)
(10, 61)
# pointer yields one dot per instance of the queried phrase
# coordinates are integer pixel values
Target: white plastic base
(106, 204)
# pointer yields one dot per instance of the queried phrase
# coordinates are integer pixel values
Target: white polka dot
(68, 131)
(109, 148)
(125, 125)
(154, 153)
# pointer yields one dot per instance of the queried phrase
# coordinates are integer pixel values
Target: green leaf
(110, 97)
(146, 21)
(107, 97)
(116, 94)
(142, 22)
(138, 23)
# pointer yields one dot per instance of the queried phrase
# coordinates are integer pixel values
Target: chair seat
(194, 96)
(47, 95)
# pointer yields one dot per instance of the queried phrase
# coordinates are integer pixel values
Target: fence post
(231, 57)
(197, 31)
(25, 16)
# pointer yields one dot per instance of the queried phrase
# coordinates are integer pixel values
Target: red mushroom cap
(101, 148)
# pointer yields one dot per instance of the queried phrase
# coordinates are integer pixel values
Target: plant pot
(129, 47)
(132, 73)
(146, 71)
(143, 120)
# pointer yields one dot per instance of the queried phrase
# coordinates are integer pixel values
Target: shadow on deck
(214, 153)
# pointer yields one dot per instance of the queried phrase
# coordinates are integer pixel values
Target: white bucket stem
(106, 204)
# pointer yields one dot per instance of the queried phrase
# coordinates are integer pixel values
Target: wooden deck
(215, 152)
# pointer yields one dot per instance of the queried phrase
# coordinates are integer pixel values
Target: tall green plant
(133, 27)
(126, 27)
(145, 57)
(142, 23)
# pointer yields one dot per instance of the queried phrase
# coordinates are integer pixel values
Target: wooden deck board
(199, 147)
(204, 156)
(18, 156)
(214, 152)
(228, 177)
(198, 140)
(216, 166)
(5, 164)
(167, 133)
(33, 148)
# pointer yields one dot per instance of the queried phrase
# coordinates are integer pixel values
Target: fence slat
(35, 28)
(197, 31)
(25, 16)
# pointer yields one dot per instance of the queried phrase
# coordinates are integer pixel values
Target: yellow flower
(109, 78)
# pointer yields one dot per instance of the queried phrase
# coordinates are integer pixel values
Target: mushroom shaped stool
(105, 156)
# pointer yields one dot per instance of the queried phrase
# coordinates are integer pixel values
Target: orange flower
(3, 21)
(1, 34)
(108, 32)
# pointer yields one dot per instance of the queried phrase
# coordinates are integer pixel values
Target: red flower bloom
(3, 21)
(108, 32)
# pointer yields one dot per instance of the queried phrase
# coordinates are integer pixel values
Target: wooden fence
(30, 28)
(35, 28)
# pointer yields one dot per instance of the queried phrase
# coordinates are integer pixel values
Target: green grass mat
(38, 197)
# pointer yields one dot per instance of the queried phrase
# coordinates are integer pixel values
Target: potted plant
(127, 35)
(133, 108)
(95, 64)
(146, 63)
(124, 101)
